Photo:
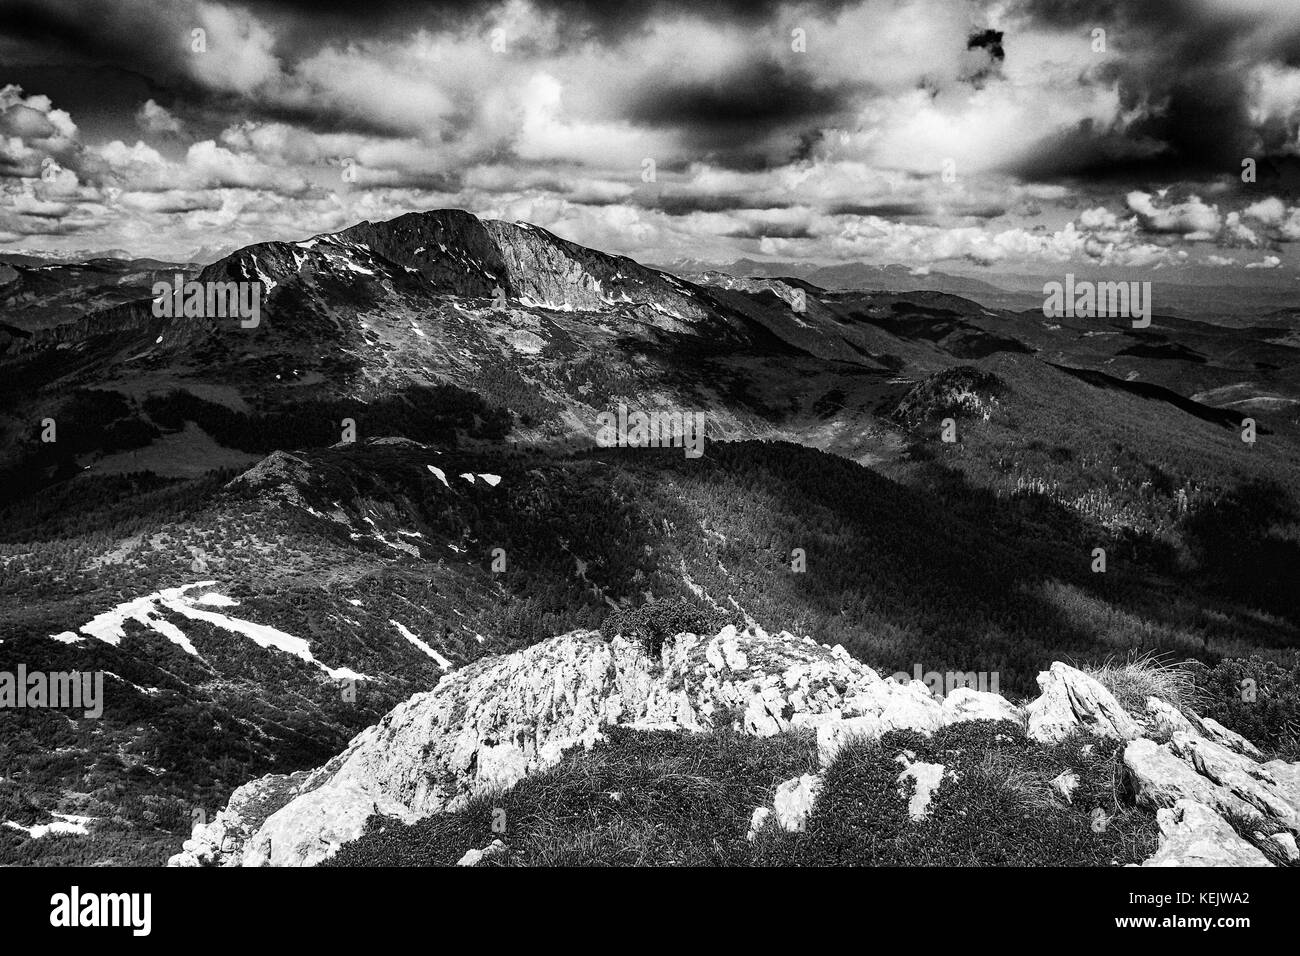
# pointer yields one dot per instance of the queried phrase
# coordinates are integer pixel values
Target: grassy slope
(644, 798)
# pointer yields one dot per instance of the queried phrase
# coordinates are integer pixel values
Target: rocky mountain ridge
(484, 728)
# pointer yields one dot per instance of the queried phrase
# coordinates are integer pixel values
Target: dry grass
(1004, 772)
(1141, 676)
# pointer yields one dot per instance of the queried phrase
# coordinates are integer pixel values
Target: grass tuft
(1145, 675)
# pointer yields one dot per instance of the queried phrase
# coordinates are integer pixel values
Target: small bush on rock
(656, 622)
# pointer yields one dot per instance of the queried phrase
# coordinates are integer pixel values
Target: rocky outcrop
(1165, 720)
(223, 839)
(1191, 834)
(1071, 701)
(489, 724)
(1191, 767)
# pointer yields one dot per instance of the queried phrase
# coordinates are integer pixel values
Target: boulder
(794, 801)
(1191, 834)
(1073, 701)
(1286, 843)
(966, 703)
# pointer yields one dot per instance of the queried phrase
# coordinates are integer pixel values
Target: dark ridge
(1208, 413)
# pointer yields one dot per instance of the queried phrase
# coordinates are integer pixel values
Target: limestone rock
(1287, 777)
(488, 724)
(1191, 834)
(1159, 779)
(1286, 843)
(794, 801)
(1070, 701)
(221, 841)
(966, 703)
(1247, 779)
(1166, 719)
(834, 733)
(925, 778)
(1220, 734)
(475, 857)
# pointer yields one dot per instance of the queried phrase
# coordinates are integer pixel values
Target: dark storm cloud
(770, 230)
(884, 210)
(684, 205)
(761, 94)
(95, 32)
(990, 40)
(1190, 58)
(733, 116)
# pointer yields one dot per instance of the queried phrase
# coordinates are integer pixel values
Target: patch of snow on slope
(438, 473)
(441, 661)
(492, 480)
(108, 626)
(265, 636)
(64, 823)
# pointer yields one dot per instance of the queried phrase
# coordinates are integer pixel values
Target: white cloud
(153, 118)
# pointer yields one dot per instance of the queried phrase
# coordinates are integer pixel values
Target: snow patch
(438, 658)
(108, 626)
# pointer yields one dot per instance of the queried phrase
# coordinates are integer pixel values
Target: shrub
(654, 623)
(1258, 698)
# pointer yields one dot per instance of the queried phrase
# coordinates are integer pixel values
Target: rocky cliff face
(497, 720)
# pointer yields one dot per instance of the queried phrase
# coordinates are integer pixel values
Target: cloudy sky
(978, 136)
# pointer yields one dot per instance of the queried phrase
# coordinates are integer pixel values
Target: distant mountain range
(1195, 293)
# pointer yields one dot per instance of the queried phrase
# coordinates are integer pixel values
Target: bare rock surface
(794, 801)
(1073, 701)
(1191, 834)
